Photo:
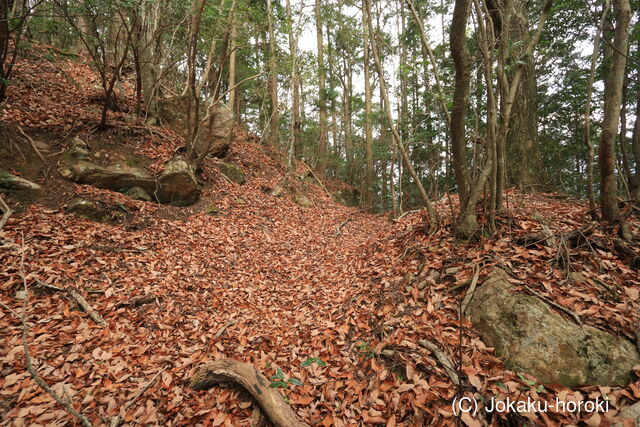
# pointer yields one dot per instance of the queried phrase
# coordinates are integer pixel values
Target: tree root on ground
(269, 399)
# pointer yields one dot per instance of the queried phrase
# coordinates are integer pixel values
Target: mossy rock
(233, 172)
(529, 336)
(89, 210)
(212, 209)
(138, 193)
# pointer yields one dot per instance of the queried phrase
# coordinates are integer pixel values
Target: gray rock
(233, 172)
(12, 182)
(117, 177)
(89, 210)
(177, 183)
(215, 126)
(530, 337)
(138, 193)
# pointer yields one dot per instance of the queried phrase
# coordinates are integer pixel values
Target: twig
(565, 310)
(472, 288)
(79, 299)
(342, 224)
(6, 213)
(117, 420)
(443, 359)
(224, 328)
(86, 307)
(405, 214)
(27, 356)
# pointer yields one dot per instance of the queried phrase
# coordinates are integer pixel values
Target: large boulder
(216, 123)
(12, 182)
(530, 337)
(178, 184)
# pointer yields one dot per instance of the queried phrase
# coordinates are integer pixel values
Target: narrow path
(279, 276)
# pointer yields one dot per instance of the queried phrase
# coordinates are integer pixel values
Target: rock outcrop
(530, 337)
(176, 184)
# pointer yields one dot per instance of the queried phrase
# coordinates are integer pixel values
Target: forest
(322, 212)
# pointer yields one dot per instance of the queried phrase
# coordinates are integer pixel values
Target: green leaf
(311, 360)
(528, 382)
(540, 388)
(499, 384)
(279, 384)
(295, 381)
(279, 375)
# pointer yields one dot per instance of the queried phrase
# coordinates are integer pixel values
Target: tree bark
(368, 182)
(433, 219)
(587, 112)
(461, 63)
(273, 80)
(614, 64)
(322, 100)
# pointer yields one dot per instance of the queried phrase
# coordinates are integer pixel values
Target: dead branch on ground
(444, 360)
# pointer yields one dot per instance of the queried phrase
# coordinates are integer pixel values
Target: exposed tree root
(270, 400)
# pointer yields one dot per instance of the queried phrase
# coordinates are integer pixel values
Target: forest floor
(332, 299)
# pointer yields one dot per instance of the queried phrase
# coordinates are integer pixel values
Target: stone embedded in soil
(89, 210)
(176, 184)
(528, 336)
(233, 172)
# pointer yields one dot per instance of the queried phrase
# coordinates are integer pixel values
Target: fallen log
(270, 400)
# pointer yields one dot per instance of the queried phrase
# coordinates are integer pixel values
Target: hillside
(333, 304)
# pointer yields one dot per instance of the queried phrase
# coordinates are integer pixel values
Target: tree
(614, 64)
(322, 96)
(433, 219)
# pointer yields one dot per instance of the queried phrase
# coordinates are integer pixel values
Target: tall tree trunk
(273, 79)
(461, 63)
(521, 143)
(587, 112)
(322, 99)
(433, 219)
(614, 65)
(368, 182)
(192, 114)
(233, 91)
(294, 132)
